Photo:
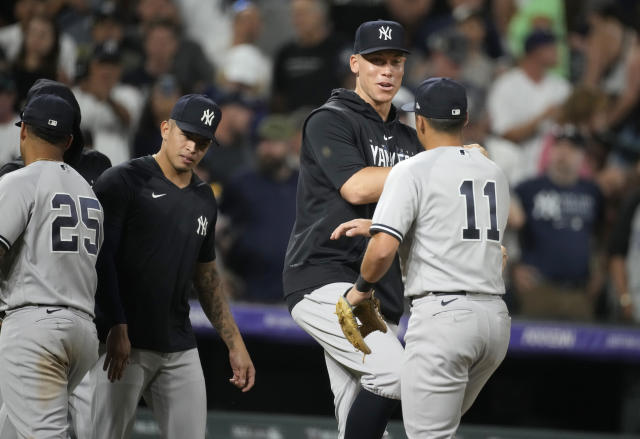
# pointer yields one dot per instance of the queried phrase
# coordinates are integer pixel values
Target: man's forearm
(378, 258)
(365, 186)
(215, 305)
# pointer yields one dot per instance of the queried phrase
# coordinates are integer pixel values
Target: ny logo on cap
(385, 32)
(207, 117)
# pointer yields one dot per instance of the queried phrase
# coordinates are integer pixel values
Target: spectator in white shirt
(521, 103)
(110, 110)
(9, 144)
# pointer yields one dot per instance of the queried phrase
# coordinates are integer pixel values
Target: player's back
(454, 243)
(53, 261)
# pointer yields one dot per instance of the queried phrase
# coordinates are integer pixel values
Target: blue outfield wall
(274, 323)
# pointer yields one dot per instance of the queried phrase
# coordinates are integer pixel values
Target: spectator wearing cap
(108, 24)
(449, 55)
(166, 52)
(259, 203)
(9, 147)
(38, 56)
(246, 68)
(110, 110)
(521, 103)
(557, 216)
(314, 63)
(13, 36)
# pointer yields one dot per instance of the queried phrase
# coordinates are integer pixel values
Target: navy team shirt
(155, 234)
(561, 221)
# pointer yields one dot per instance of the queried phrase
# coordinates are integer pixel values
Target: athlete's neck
(438, 140)
(35, 151)
(178, 177)
(382, 108)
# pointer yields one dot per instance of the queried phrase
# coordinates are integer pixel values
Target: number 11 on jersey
(471, 232)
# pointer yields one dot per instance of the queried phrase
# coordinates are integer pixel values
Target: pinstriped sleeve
(398, 205)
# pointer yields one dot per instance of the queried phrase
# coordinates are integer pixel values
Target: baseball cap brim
(196, 129)
(380, 49)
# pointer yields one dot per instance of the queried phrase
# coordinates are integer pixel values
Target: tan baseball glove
(367, 313)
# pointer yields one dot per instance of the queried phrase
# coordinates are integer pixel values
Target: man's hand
(355, 297)
(118, 350)
(477, 146)
(244, 373)
(356, 227)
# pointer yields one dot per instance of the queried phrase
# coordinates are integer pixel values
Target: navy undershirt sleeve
(114, 194)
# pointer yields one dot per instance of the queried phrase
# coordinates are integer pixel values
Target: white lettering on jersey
(202, 226)
(383, 157)
(565, 210)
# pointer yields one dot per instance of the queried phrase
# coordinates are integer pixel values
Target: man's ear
(466, 122)
(23, 131)
(421, 124)
(164, 129)
(354, 64)
(69, 141)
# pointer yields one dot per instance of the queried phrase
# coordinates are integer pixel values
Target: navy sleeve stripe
(386, 229)
(4, 241)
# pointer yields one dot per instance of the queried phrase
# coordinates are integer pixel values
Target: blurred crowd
(553, 89)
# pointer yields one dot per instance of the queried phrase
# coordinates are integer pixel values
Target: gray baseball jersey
(448, 207)
(51, 222)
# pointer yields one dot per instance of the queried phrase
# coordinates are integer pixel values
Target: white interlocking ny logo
(385, 32)
(208, 116)
(202, 226)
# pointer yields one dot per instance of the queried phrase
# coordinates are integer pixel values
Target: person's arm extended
(380, 252)
(113, 193)
(365, 186)
(526, 130)
(215, 306)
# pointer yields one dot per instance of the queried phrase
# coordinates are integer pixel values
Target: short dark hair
(450, 126)
(56, 139)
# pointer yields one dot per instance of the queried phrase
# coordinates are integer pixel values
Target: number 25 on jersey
(63, 220)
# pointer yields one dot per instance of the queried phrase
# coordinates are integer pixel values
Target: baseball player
(90, 164)
(50, 236)
(159, 241)
(445, 210)
(349, 145)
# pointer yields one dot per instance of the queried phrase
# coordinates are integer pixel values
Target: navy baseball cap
(439, 98)
(50, 112)
(374, 36)
(107, 52)
(538, 38)
(197, 114)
